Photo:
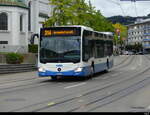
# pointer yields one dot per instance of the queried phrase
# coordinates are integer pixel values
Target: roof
(16, 3)
(84, 27)
(141, 22)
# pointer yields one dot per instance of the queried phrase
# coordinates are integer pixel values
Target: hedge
(33, 48)
(14, 58)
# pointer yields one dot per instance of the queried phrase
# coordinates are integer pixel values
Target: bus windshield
(60, 49)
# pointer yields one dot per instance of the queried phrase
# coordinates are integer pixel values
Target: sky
(125, 8)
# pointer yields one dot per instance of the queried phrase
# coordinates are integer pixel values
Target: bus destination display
(60, 32)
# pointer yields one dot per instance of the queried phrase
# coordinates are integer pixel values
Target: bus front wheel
(54, 78)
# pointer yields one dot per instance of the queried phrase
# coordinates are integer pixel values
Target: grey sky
(126, 8)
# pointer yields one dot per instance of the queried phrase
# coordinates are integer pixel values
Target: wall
(13, 35)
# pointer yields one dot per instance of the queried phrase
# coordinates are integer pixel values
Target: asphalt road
(125, 88)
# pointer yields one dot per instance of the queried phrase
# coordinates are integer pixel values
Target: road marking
(148, 107)
(109, 93)
(80, 101)
(140, 60)
(105, 77)
(74, 85)
(133, 68)
(51, 104)
(79, 95)
(115, 74)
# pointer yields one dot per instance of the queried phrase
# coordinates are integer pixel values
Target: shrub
(33, 48)
(14, 58)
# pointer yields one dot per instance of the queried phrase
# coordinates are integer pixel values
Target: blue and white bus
(76, 51)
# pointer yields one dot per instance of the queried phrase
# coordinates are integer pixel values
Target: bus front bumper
(67, 73)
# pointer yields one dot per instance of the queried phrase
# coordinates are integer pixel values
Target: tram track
(18, 80)
(103, 100)
(122, 66)
(89, 93)
(75, 93)
(36, 84)
(118, 94)
(122, 61)
(123, 92)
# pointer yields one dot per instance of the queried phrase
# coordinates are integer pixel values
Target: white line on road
(140, 61)
(148, 107)
(74, 85)
(133, 68)
(115, 74)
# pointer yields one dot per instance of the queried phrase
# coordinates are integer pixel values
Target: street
(125, 88)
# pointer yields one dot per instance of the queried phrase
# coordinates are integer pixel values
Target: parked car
(125, 52)
(130, 53)
(139, 53)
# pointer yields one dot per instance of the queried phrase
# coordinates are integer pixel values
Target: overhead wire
(135, 8)
(135, 5)
(117, 3)
(122, 9)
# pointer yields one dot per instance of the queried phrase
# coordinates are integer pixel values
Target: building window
(3, 42)
(3, 21)
(29, 16)
(21, 23)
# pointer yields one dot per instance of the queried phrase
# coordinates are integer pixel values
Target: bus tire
(53, 78)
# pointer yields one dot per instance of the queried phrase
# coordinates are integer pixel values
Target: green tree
(61, 13)
(122, 34)
(77, 12)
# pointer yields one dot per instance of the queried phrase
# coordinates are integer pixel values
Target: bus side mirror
(33, 38)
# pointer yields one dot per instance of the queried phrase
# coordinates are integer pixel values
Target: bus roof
(84, 27)
(107, 33)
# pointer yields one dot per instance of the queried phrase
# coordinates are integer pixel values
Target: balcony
(146, 46)
(146, 28)
(146, 33)
(145, 40)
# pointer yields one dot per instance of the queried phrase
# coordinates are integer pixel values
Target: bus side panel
(101, 66)
(111, 63)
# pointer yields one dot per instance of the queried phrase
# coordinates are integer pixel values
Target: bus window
(100, 49)
(87, 45)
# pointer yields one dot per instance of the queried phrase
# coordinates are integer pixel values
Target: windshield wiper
(72, 60)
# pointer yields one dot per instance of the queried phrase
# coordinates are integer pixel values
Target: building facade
(19, 21)
(139, 33)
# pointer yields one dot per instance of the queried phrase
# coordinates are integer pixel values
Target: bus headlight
(79, 69)
(41, 69)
